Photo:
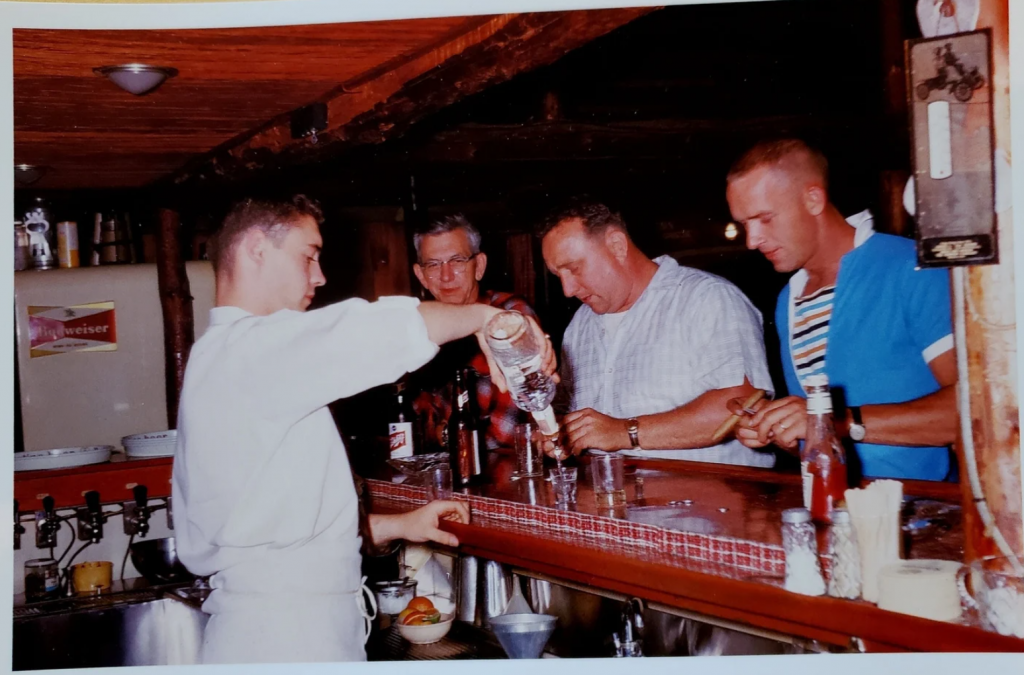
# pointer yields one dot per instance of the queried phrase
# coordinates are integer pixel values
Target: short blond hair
(775, 152)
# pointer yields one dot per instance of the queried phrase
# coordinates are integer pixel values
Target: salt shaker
(842, 543)
(803, 571)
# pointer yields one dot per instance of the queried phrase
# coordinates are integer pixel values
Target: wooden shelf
(113, 480)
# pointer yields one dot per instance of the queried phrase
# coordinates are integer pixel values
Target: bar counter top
(705, 539)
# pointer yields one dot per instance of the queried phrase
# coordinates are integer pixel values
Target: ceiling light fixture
(731, 231)
(26, 174)
(136, 78)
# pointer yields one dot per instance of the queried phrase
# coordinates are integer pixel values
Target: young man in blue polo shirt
(857, 310)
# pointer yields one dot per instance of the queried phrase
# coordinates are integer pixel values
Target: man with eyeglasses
(450, 265)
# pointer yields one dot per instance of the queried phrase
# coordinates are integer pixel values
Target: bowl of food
(422, 624)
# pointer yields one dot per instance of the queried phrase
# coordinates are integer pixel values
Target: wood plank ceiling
(225, 115)
(92, 134)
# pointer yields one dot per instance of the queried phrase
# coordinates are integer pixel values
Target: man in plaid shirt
(450, 265)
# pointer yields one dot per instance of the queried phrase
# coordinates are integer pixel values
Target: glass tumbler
(607, 474)
(439, 483)
(529, 458)
(563, 482)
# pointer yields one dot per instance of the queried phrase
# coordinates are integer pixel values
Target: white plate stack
(152, 444)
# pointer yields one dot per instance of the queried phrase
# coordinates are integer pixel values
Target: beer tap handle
(48, 506)
(141, 496)
(92, 502)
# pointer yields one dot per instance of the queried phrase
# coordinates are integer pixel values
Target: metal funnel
(523, 636)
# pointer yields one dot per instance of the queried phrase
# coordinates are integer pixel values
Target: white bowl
(61, 458)
(169, 435)
(429, 634)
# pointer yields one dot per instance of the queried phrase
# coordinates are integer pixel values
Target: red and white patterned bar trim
(725, 556)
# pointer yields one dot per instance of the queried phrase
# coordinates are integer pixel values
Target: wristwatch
(634, 432)
(857, 431)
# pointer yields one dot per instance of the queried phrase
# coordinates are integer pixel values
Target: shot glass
(563, 482)
(607, 474)
(529, 458)
(439, 483)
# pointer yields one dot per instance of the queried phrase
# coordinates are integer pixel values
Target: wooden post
(176, 302)
(521, 266)
(892, 213)
(992, 342)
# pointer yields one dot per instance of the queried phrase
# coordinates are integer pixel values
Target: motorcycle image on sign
(962, 87)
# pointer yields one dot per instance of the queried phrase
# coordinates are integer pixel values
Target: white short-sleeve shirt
(262, 490)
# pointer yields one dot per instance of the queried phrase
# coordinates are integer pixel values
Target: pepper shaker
(842, 543)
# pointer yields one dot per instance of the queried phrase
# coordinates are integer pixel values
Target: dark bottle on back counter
(822, 456)
(401, 439)
(464, 439)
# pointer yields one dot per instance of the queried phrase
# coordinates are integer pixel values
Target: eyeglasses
(458, 265)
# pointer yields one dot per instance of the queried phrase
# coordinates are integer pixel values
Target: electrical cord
(124, 561)
(67, 521)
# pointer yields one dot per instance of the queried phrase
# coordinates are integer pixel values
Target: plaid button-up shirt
(690, 332)
(434, 381)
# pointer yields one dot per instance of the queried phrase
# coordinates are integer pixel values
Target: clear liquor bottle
(519, 354)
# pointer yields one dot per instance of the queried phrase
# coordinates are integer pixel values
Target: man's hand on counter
(420, 525)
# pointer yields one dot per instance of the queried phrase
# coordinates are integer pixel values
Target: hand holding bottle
(549, 362)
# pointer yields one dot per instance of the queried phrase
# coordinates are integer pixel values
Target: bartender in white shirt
(264, 498)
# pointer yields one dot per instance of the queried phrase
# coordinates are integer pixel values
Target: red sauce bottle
(822, 452)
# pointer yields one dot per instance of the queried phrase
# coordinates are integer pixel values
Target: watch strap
(634, 432)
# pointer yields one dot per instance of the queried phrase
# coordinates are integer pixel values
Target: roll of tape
(924, 588)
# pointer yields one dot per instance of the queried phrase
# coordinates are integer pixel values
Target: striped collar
(863, 223)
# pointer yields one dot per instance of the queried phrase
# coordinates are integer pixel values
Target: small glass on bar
(439, 483)
(563, 483)
(607, 475)
(529, 456)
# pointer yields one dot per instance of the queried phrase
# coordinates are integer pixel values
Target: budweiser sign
(78, 328)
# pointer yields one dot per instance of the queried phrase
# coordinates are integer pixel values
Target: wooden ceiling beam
(383, 103)
(653, 139)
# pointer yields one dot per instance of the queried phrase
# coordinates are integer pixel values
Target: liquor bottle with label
(822, 454)
(464, 438)
(518, 354)
(400, 430)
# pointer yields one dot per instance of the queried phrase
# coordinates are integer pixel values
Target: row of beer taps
(91, 518)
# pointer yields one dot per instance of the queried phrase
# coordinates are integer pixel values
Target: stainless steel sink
(148, 628)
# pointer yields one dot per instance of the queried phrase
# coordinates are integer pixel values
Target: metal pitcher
(495, 590)
(468, 582)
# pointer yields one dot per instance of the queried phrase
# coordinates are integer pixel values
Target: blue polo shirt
(888, 321)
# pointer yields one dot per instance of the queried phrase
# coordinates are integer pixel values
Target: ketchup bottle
(822, 454)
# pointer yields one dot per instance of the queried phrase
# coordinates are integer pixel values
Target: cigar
(734, 419)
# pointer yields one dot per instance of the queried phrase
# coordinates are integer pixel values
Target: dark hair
(772, 152)
(274, 218)
(449, 224)
(596, 216)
